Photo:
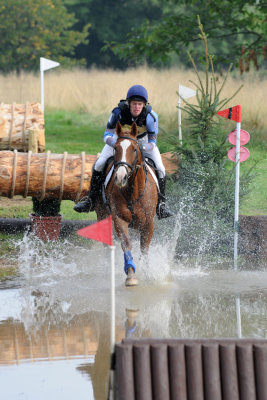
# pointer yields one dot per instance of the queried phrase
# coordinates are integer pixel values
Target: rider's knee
(99, 166)
(161, 173)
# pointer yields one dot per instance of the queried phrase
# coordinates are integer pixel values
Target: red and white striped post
(237, 154)
(102, 232)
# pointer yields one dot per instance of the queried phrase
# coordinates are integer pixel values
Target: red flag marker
(100, 231)
(233, 113)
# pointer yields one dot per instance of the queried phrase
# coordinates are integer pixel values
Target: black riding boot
(162, 211)
(94, 193)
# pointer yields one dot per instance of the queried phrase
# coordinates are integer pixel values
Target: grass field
(78, 104)
(96, 92)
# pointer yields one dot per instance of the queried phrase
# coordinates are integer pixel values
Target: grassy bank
(78, 104)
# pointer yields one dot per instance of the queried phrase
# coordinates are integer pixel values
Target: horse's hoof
(131, 278)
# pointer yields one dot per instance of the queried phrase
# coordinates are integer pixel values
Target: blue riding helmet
(137, 92)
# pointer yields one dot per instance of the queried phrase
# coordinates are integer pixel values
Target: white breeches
(154, 154)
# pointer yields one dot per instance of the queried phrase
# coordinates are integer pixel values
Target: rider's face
(136, 107)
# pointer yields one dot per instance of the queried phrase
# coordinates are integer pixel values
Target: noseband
(125, 163)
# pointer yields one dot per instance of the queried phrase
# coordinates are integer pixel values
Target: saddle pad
(109, 175)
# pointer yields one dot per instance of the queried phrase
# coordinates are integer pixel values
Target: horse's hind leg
(121, 228)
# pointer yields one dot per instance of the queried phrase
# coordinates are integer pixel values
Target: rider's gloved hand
(142, 149)
(111, 141)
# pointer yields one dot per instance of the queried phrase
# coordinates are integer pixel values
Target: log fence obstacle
(16, 123)
(48, 175)
(27, 171)
(191, 369)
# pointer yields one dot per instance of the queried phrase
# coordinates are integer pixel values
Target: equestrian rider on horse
(134, 109)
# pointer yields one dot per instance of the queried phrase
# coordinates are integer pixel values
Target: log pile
(16, 121)
(47, 175)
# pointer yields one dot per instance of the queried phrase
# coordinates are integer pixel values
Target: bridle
(125, 164)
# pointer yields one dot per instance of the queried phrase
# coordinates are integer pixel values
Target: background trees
(30, 29)
(111, 21)
(236, 29)
(124, 33)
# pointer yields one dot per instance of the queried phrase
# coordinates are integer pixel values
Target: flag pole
(237, 179)
(238, 316)
(234, 113)
(179, 120)
(179, 116)
(112, 300)
(102, 232)
(45, 64)
(112, 321)
(183, 94)
(42, 82)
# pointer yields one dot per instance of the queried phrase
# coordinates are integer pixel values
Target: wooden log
(46, 175)
(16, 120)
(33, 141)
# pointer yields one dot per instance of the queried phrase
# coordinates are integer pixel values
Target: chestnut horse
(131, 196)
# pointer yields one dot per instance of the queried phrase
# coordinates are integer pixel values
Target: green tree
(203, 191)
(30, 29)
(110, 20)
(234, 28)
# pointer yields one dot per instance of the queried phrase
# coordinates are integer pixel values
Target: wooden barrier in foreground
(191, 369)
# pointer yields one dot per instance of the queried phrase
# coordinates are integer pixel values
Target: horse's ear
(134, 130)
(118, 129)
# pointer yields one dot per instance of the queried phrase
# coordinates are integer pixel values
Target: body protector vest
(123, 115)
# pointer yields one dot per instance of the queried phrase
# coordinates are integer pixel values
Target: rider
(134, 109)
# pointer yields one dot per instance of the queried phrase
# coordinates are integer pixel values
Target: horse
(130, 196)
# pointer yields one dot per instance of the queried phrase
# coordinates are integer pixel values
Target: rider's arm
(109, 137)
(152, 131)
(111, 125)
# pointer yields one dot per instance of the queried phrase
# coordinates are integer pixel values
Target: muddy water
(54, 316)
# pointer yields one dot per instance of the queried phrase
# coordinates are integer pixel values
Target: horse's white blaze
(124, 145)
(121, 172)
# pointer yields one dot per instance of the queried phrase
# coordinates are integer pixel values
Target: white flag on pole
(186, 92)
(183, 93)
(46, 64)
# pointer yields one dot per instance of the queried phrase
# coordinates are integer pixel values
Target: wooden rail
(183, 369)
(47, 175)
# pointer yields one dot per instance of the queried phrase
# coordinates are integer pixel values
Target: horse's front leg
(121, 228)
(146, 234)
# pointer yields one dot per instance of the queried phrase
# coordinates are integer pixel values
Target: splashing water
(60, 280)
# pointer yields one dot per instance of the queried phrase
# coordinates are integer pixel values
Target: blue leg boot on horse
(129, 269)
(94, 193)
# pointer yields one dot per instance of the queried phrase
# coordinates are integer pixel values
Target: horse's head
(127, 154)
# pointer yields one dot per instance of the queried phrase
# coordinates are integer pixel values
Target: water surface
(54, 316)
